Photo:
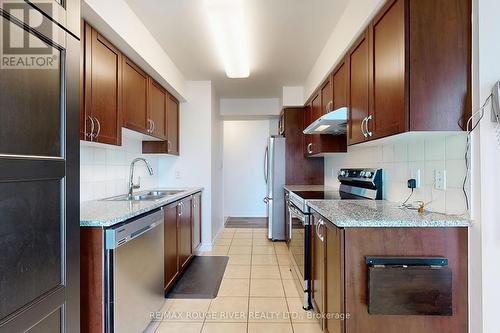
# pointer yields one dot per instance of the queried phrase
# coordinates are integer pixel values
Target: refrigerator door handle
(266, 164)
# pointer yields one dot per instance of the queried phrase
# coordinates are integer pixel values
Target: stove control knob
(368, 174)
(362, 174)
(342, 173)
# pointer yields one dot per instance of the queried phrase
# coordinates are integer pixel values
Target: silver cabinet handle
(266, 156)
(154, 126)
(169, 145)
(370, 117)
(92, 125)
(98, 127)
(309, 148)
(149, 126)
(363, 127)
(181, 205)
(329, 107)
(320, 224)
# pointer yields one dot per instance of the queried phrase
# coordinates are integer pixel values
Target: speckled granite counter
(374, 213)
(297, 188)
(103, 213)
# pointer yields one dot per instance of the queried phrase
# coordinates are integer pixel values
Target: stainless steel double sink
(145, 195)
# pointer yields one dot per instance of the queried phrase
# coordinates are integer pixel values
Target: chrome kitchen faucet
(131, 185)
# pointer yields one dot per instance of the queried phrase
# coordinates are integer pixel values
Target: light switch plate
(440, 180)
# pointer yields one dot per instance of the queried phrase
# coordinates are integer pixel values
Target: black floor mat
(246, 222)
(201, 279)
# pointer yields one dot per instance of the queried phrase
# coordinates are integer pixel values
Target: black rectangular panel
(31, 241)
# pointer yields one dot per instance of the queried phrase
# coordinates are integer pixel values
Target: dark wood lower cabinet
(340, 276)
(170, 248)
(184, 232)
(196, 209)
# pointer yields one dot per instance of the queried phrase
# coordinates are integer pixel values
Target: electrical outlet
(415, 174)
(440, 180)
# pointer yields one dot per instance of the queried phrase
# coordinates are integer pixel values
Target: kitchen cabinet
(358, 89)
(135, 98)
(339, 81)
(196, 209)
(101, 112)
(173, 125)
(340, 275)
(157, 109)
(170, 247)
(184, 232)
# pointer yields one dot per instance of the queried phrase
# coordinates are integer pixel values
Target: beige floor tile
(291, 289)
(237, 249)
(265, 272)
(263, 241)
(280, 245)
(226, 236)
(263, 249)
(307, 328)
(240, 259)
(237, 272)
(266, 288)
(242, 242)
(267, 309)
(283, 259)
(228, 309)
(234, 287)
(286, 273)
(210, 327)
(269, 328)
(175, 327)
(220, 249)
(297, 313)
(223, 241)
(264, 259)
(281, 250)
(187, 310)
(242, 236)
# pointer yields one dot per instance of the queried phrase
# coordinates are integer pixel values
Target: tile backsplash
(104, 169)
(401, 155)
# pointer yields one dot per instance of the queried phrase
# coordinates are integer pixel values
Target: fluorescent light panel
(321, 128)
(228, 25)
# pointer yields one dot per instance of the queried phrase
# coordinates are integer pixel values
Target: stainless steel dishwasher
(134, 273)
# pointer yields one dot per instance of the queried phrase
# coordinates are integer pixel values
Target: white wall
(217, 168)
(293, 96)
(238, 107)
(118, 23)
(104, 169)
(485, 233)
(399, 157)
(355, 18)
(244, 187)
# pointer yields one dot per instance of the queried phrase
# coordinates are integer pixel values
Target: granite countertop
(106, 213)
(381, 213)
(297, 188)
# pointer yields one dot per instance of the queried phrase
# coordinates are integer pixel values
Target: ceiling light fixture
(228, 25)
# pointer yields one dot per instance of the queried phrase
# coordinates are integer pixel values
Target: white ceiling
(285, 39)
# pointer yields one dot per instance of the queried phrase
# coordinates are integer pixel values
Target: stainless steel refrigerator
(274, 175)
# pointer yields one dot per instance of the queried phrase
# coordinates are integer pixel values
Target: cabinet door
(170, 245)
(358, 59)
(318, 266)
(102, 88)
(196, 221)
(158, 109)
(135, 93)
(312, 142)
(334, 278)
(173, 125)
(185, 241)
(327, 97)
(388, 114)
(339, 81)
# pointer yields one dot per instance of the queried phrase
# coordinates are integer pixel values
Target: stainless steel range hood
(334, 122)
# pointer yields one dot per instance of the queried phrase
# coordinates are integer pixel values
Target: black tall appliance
(39, 166)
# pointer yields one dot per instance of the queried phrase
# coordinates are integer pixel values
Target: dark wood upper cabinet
(172, 125)
(358, 89)
(327, 96)
(339, 81)
(101, 110)
(135, 98)
(440, 47)
(157, 109)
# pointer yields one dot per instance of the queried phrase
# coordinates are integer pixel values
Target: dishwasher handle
(124, 233)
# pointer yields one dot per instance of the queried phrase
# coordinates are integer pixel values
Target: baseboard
(204, 247)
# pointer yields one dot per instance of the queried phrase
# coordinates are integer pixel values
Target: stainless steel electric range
(355, 184)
